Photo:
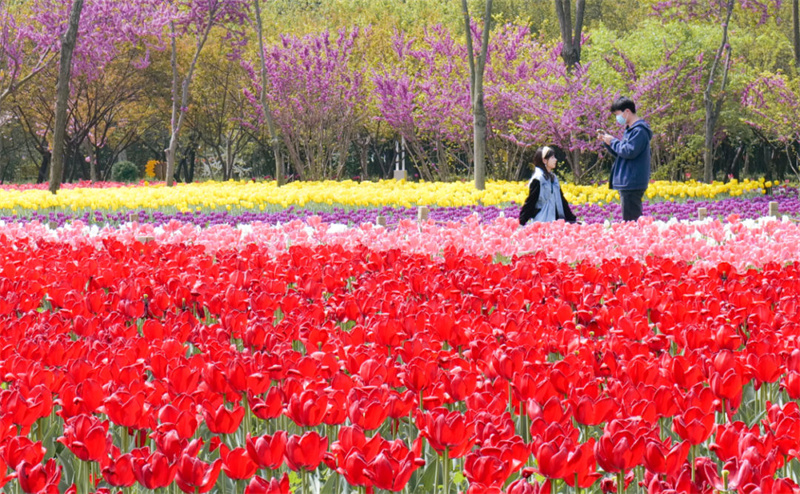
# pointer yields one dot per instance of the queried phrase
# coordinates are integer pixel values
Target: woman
(545, 201)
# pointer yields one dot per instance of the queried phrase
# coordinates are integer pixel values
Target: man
(630, 174)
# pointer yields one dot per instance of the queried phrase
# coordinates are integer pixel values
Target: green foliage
(125, 171)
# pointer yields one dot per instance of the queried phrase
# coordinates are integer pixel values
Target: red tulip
(552, 460)
(685, 372)
(270, 407)
(87, 437)
(119, 471)
(668, 401)
(522, 486)
(182, 422)
(25, 411)
(727, 439)
(399, 405)
(367, 413)
(308, 408)
(305, 451)
(272, 486)
(582, 466)
(461, 384)
(4, 476)
(170, 444)
(154, 471)
(766, 367)
(126, 409)
(490, 427)
(419, 374)
(485, 468)
(267, 451)
(39, 478)
(237, 463)
(392, 468)
(336, 413)
(19, 448)
(791, 384)
(664, 458)
(594, 412)
(353, 468)
(694, 425)
(728, 386)
(621, 446)
(221, 420)
(194, 475)
(445, 429)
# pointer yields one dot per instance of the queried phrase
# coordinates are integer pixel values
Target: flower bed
(257, 195)
(478, 357)
(747, 208)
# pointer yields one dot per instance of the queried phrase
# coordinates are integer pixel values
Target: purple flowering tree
(317, 97)
(562, 106)
(21, 57)
(532, 99)
(266, 110)
(666, 96)
(715, 92)
(477, 69)
(88, 35)
(195, 19)
(425, 98)
(773, 102)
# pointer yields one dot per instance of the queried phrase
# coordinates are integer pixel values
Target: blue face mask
(621, 119)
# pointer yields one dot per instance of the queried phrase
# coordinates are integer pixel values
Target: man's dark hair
(623, 103)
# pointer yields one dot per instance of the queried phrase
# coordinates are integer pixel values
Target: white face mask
(621, 119)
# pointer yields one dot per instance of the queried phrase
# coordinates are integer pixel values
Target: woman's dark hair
(541, 157)
(622, 103)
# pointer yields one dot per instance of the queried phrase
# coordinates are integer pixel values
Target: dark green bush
(125, 171)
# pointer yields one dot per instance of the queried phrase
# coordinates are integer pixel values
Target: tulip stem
(446, 470)
(621, 482)
(247, 414)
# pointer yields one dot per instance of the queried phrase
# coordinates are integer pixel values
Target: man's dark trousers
(631, 202)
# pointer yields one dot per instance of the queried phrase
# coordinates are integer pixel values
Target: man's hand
(605, 137)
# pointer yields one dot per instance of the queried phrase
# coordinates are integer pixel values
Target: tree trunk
(179, 112)
(479, 117)
(93, 175)
(796, 31)
(570, 34)
(62, 95)
(274, 142)
(44, 168)
(713, 106)
(708, 147)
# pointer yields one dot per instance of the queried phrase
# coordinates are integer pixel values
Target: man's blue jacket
(631, 170)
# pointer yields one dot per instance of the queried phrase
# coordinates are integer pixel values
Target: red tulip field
(139, 366)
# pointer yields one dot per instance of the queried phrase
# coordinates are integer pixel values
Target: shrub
(124, 171)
